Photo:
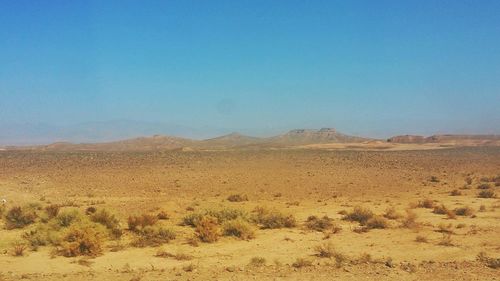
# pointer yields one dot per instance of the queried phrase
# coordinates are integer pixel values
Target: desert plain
(308, 213)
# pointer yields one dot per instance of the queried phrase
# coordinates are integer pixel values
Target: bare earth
(311, 180)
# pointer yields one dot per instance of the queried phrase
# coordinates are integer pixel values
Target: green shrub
(68, 217)
(17, 217)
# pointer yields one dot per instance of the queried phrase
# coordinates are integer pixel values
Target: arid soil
(438, 228)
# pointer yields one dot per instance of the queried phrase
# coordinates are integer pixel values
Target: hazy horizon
(202, 69)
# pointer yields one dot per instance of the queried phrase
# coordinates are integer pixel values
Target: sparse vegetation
(392, 214)
(410, 221)
(301, 262)
(257, 261)
(136, 223)
(486, 194)
(237, 198)
(359, 214)
(455, 192)
(208, 229)
(18, 249)
(238, 228)
(319, 224)
(17, 217)
(271, 218)
(489, 261)
(81, 240)
(484, 186)
(421, 239)
(153, 236)
(464, 211)
(377, 222)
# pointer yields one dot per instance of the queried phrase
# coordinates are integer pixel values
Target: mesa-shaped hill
(308, 136)
(448, 138)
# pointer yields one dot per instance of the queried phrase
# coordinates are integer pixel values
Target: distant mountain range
(293, 138)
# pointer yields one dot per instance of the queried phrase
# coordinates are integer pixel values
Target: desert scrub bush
(434, 179)
(42, 235)
(440, 209)
(222, 215)
(82, 239)
(359, 214)
(301, 262)
(153, 236)
(425, 203)
(392, 214)
(17, 217)
(135, 223)
(446, 240)
(162, 215)
(237, 198)
(486, 194)
(410, 221)
(67, 217)
(445, 228)
(325, 250)
(257, 261)
(238, 228)
(272, 219)
(18, 249)
(52, 210)
(488, 261)
(421, 239)
(455, 192)
(161, 253)
(484, 186)
(319, 224)
(108, 220)
(464, 211)
(377, 222)
(208, 229)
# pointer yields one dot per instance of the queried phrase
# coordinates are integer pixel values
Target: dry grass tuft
(17, 217)
(237, 198)
(359, 214)
(392, 214)
(488, 261)
(421, 239)
(208, 229)
(238, 228)
(18, 249)
(301, 262)
(410, 221)
(153, 236)
(272, 219)
(81, 240)
(486, 194)
(257, 261)
(455, 192)
(464, 211)
(319, 224)
(135, 223)
(377, 222)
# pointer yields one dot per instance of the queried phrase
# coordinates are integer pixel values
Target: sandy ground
(301, 182)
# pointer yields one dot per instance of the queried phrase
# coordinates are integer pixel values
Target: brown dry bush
(426, 203)
(325, 250)
(18, 249)
(67, 218)
(136, 223)
(301, 262)
(151, 236)
(81, 240)
(392, 214)
(446, 240)
(377, 222)
(162, 215)
(359, 214)
(455, 192)
(237, 198)
(272, 219)
(489, 261)
(484, 186)
(421, 239)
(52, 210)
(222, 215)
(17, 217)
(464, 211)
(319, 224)
(486, 194)
(445, 228)
(257, 261)
(161, 253)
(410, 221)
(208, 229)
(238, 228)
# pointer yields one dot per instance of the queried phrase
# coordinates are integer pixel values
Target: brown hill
(307, 136)
(449, 139)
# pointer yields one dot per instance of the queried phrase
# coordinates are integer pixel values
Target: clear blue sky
(373, 68)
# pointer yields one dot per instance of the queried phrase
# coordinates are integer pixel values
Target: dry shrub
(445, 228)
(272, 219)
(325, 250)
(410, 221)
(482, 208)
(446, 240)
(359, 214)
(464, 211)
(484, 186)
(108, 220)
(468, 180)
(52, 210)
(151, 236)
(364, 258)
(18, 249)
(301, 262)
(162, 215)
(319, 224)
(189, 267)
(440, 209)
(208, 229)
(257, 261)
(237, 198)
(377, 222)
(455, 192)
(90, 210)
(488, 261)
(178, 256)
(421, 239)
(42, 235)
(222, 215)
(486, 194)
(67, 217)
(136, 223)
(17, 217)
(392, 214)
(238, 228)
(434, 179)
(82, 240)
(426, 203)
